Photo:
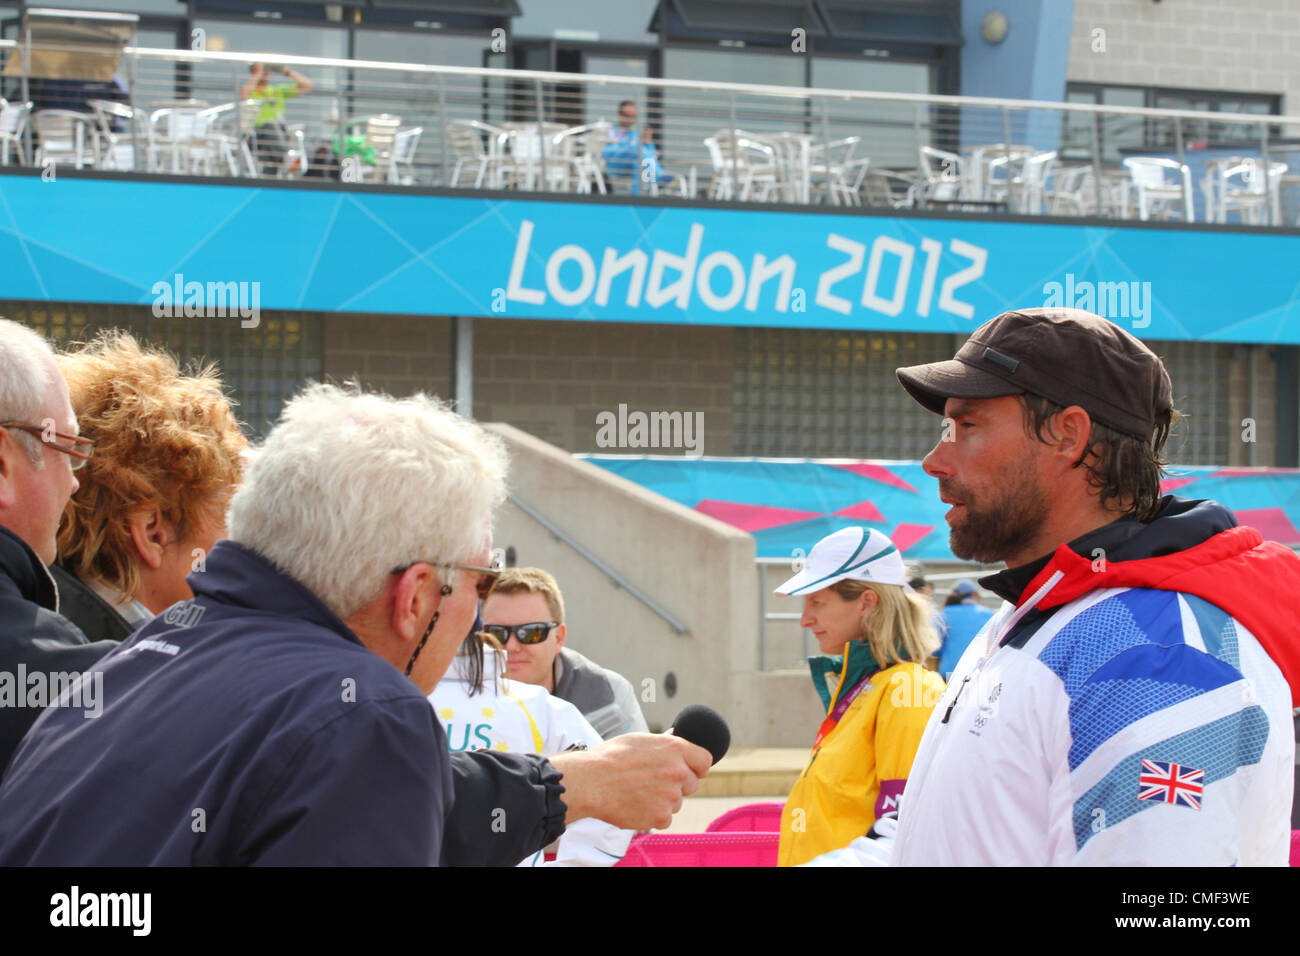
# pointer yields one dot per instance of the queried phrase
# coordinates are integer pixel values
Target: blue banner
(189, 249)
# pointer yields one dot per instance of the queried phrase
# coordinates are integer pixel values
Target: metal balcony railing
(183, 112)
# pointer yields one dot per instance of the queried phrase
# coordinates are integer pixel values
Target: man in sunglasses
(280, 717)
(41, 653)
(525, 613)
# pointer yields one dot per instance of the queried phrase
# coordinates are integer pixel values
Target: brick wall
(550, 379)
(400, 354)
(1246, 46)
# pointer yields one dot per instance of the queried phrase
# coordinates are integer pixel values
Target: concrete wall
(698, 569)
(1246, 46)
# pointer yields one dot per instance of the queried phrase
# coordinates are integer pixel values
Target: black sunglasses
(533, 633)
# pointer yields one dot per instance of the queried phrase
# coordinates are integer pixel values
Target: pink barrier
(701, 849)
(1295, 847)
(751, 818)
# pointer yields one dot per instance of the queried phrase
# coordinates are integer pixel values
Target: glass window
(270, 38)
(601, 102)
(432, 49)
(689, 116)
(735, 66)
(882, 76)
(261, 368)
(1076, 136)
(414, 97)
(819, 394)
(588, 20)
(494, 105)
(175, 8)
(1119, 131)
(885, 130)
(155, 81)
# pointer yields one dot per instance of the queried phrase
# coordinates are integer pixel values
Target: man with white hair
(40, 651)
(271, 719)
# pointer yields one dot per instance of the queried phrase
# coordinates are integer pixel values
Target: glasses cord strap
(427, 631)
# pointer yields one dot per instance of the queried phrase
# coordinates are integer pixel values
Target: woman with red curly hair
(152, 501)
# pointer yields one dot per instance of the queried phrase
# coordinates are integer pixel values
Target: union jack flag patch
(1171, 783)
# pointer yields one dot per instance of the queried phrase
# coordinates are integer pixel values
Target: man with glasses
(40, 652)
(280, 717)
(525, 613)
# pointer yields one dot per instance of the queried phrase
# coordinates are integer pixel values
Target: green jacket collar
(856, 664)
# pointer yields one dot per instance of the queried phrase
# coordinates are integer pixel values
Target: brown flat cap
(1068, 356)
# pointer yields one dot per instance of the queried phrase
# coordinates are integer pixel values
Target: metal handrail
(782, 92)
(615, 578)
(686, 116)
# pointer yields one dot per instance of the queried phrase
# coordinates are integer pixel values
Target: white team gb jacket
(1132, 727)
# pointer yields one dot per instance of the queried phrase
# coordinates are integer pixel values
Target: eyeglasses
(482, 584)
(533, 633)
(80, 452)
(486, 578)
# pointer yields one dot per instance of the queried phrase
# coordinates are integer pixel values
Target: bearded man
(1130, 703)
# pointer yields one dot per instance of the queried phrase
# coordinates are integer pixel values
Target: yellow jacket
(859, 770)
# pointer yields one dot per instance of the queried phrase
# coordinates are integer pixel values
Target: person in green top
(270, 138)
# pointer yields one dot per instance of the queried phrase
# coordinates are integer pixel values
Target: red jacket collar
(1255, 581)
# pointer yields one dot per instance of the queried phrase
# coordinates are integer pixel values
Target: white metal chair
(1163, 183)
(478, 146)
(985, 171)
(525, 147)
(176, 131)
(13, 122)
(834, 172)
(579, 148)
(1238, 185)
(795, 154)
(744, 165)
(116, 149)
(1020, 181)
(401, 165)
(885, 188)
(943, 175)
(64, 136)
(229, 139)
(1072, 192)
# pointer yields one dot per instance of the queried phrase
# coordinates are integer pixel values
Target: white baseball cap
(855, 554)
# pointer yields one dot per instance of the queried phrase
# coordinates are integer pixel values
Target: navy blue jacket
(34, 640)
(248, 726)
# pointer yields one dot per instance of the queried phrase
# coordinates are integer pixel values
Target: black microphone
(704, 727)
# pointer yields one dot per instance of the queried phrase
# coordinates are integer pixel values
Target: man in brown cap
(1130, 704)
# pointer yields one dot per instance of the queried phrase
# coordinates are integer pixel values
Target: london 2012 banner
(188, 248)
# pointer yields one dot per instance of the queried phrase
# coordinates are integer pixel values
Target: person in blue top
(963, 616)
(631, 157)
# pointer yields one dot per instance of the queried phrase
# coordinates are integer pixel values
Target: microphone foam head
(704, 727)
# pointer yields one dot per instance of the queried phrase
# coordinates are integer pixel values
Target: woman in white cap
(874, 631)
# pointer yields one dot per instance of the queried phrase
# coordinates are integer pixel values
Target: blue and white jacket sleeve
(1165, 727)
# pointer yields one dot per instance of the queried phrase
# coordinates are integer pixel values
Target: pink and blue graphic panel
(789, 504)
